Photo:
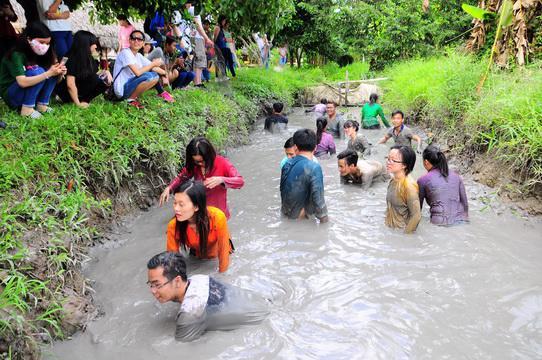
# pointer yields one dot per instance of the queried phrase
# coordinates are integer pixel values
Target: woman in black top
(83, 82)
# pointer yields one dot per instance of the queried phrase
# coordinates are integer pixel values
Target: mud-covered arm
(366, 146)
(317, 194)
(189, 327)
(463, 197)
(233, 179)
(421, 192)
(367, 178)
(413, 203)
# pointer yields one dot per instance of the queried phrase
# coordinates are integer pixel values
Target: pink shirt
(124, 36)
(216, 196)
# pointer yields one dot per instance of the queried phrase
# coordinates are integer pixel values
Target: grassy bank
(65, 177)
(504, 122)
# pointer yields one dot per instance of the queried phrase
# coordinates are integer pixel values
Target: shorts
(200, 57)
(132, 84)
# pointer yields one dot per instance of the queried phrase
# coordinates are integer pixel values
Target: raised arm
(383, 117)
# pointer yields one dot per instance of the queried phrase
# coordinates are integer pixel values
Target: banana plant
(506, 17)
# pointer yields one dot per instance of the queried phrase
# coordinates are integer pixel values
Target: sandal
(34, 115)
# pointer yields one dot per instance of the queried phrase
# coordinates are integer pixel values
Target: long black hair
(200, 146)
(321, 124)
(220, 19)
(80, 57)
(437, 159)
(35, 30)
(195, 190)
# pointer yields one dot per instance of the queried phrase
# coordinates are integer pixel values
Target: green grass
(505, 119)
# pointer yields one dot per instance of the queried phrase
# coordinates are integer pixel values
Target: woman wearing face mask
(200, 229)
(24, 82)
(83, 82)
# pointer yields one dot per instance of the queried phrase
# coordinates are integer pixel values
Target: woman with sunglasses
(403, 204)
(134, 74)
(197, 228)
(215, 171)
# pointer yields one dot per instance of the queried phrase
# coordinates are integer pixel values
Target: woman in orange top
(199, 228)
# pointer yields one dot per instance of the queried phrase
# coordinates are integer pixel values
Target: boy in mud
(302, 181)
(206, 303)
(335, 121)
(276, 121)
(290, 151)
(363, 173)
(401, 133)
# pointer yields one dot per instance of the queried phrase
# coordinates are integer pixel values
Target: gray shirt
(370, 171)
(335, 126)
(360, 145)
(403, 138)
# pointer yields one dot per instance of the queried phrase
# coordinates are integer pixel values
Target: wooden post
(347, 89)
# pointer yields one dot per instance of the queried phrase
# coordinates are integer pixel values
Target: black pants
(228, 58)
(376, 126)
(87, 89)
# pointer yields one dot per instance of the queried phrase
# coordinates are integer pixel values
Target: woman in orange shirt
(199, 228)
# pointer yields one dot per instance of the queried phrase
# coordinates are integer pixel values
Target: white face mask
(191, 10)
(39, 48)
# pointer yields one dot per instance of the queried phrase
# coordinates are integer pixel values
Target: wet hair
(277, 107)
(137, 31)
(321, 125)
(200, 146)
(172, 263)
(408, 157)
(195, 190)
(35, 30)
(350, 156)
(351, 123)
(82, 64)
(123, 17)
(437, 159)
(289, 143)
(170, 40)
(305, 140)
(323, 101)
(332, 102)
(398, 112)
(373, 98)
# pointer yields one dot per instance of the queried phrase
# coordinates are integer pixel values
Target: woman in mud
(197, 228)
(442, 189)
(356, 141)
(403, 204)
(215, 171)
(324, 140)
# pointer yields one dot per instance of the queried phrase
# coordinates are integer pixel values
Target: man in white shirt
(134, 74)
(205, 303)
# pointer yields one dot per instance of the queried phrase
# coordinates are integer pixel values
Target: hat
(149, 40)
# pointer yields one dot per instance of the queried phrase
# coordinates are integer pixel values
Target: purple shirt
(446, 197)
(326, 145)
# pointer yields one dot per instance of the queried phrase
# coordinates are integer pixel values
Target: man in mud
(363, 172)
(302, 181)
(335, 121)
(206, 303)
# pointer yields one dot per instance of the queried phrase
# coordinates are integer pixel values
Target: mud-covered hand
(213, 182)
(165, 196)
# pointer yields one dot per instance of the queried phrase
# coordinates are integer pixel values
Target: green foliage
(478, 13)
(505, 119)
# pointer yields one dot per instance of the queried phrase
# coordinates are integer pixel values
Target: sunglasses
(137, 39)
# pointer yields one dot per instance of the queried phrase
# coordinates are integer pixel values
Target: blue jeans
(185, 77)
(63, 42)
(205, 74)
(32, 95)
(133, 83)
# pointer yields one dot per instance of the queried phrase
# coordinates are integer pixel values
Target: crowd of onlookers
(48, 61)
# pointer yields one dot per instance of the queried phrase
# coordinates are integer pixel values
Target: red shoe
(167, 97)
(136, 104)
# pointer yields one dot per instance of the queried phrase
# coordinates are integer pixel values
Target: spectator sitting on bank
(276, 121)
(362, 172)
(335, 121)
(326, 144)
(134, 74)
(205, 303)
(24, 82)
(83, 82)
(318, 109)
(401, 133)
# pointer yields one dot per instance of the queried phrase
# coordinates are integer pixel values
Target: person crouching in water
(403, 204)
(362, 172)
(443, 190)
(205, 303)
(197, 228)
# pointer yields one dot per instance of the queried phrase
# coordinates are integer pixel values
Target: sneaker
(135, 104)
(167, 97)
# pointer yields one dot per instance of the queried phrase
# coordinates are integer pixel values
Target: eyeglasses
(158, 286)
(393, 161)
(137, 39)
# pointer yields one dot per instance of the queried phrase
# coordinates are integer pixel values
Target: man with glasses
(134, 74)
(206, 304)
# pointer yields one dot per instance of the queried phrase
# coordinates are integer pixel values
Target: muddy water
(350, 289)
